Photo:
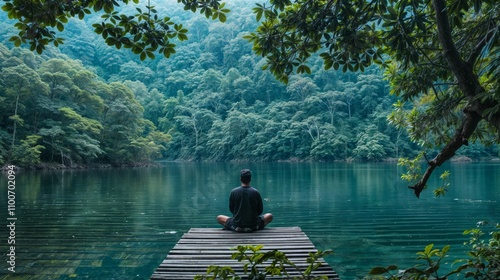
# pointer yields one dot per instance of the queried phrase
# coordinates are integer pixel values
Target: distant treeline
(87, 103)
(54, 110)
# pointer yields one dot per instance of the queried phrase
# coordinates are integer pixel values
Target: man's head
(245, 176)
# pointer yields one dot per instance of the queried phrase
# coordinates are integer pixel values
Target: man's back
(245, 203)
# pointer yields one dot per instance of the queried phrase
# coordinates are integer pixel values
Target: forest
(87, 103)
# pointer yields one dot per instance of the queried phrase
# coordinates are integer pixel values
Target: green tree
(28, 153)
(236, 49)
(80, 41)
(80, 137)
(22, 87)
(135, 72)
(53, 136)
(233, 138)
(182, 80)
(210, 81)
(332, 101)
(108, 60)
(198, 28)
(371, 145)
(122, 123)
(153, 146)
(215, 44)
(371, 89)
(333, 146)
(442, 53)
(84, 93)
(194, 123)
(56, 73)
(300, 88)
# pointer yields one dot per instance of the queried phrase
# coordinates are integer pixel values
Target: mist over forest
(87, 103)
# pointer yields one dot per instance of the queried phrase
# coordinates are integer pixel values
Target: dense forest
(87, 103)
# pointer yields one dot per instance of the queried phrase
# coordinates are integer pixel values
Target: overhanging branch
(460, 138)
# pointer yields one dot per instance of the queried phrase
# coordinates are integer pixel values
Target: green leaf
(222, 17)
(60, 26)
(428, 249)
(392, 11)
(7, 7)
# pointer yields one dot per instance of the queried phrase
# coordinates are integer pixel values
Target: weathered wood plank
(268, 230)
(201, 247)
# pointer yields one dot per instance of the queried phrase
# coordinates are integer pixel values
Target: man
(245, 203)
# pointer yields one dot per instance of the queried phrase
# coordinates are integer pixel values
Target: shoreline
(58, 166)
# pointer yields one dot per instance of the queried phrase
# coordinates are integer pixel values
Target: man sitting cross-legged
(245, 203)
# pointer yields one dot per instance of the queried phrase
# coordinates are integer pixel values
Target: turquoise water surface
(121, 223)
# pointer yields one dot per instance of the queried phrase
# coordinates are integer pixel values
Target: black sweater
(245, 203)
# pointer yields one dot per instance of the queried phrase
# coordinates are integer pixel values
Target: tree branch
(468, 126)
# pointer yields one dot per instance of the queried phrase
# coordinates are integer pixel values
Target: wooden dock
(201, 247)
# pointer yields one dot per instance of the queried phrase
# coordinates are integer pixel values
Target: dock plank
(201, 247)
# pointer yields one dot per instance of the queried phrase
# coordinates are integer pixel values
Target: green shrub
(253, 259)
(28, 153)
(484, 256)
(483, 261)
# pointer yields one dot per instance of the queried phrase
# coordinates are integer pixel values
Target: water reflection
(121, 223)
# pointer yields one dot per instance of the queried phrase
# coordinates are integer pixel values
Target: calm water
(121, 223)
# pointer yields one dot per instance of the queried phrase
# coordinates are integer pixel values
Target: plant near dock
(255, 266)
(428, 270)
(483, 261)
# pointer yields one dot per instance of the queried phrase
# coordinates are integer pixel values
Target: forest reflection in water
(121, 223)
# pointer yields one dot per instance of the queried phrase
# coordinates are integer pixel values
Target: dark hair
(245, 176)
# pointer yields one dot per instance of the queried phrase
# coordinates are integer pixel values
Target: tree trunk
(15, 123)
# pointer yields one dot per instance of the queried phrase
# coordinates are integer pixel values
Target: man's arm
(259, 205)
(231, 203)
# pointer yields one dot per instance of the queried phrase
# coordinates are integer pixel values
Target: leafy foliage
(414, 173)
(484, 256)
(483, 261)
(144, 33)
(254, 266)
(28, 153)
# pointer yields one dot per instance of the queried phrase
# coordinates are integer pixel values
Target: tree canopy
(440, 57)
(56, 110)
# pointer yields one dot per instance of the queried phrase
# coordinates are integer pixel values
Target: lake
(121, 223)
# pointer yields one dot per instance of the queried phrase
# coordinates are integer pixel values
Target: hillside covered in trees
(88, 103)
